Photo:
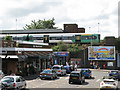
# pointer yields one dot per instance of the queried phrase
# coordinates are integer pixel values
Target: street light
(98, 27)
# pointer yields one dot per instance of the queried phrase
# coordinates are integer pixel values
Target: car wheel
(41, 78)
(56, 76)
(17, 88)
(24, 86)
(81, 82)
(69, 82)
(84, 81)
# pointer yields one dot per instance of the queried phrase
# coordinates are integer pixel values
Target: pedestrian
(75, 67)
(104, 66)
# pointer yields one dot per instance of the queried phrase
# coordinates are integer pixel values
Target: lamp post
(98, 27)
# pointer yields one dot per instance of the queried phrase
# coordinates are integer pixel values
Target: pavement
(31, 77)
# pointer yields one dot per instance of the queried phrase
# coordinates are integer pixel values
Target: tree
(8, 37)
(41, 24)
(60, 47)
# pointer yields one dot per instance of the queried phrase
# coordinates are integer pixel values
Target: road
(62, 82)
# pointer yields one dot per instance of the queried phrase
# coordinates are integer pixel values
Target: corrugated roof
(32, 43)
(32, 31)
(25, 49)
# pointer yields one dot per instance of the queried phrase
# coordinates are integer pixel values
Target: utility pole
(98, 27)
(16, 24)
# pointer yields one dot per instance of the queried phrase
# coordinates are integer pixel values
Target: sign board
(101, 53)
(61, 53)
(109, 63)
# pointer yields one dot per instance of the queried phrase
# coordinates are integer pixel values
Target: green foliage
(60, 47)
(41, 24)
(67, 47)
(8, 37)
(73, 48)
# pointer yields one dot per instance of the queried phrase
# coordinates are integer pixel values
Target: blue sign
(61, 53)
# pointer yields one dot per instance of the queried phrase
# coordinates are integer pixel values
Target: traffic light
(77, 38)
(46, 39)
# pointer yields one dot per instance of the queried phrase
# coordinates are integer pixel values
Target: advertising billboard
(101, 53)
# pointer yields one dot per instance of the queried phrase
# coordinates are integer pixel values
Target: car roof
(47, 69)
(109, 80)
(12, 76)
(56, 66)
(85, 69)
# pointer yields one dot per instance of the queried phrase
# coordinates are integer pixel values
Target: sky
(96, 16)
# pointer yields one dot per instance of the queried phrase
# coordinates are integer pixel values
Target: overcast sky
(85, 13)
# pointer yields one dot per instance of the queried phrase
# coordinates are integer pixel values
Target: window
(74, 74)
(18, 80)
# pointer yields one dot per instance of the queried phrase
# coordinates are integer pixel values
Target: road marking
(98, 80)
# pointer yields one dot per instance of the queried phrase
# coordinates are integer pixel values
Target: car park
(87, 72)
(13, 82)
(48, 74)
(59, 70)
(109, 82)
(76, 77)
(115, 73)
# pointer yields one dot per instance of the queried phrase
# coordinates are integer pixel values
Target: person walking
(75, 67)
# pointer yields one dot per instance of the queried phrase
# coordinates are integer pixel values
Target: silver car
(13, 82)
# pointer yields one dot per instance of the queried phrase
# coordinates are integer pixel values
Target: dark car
(115, 73)
(48, 74)
(87, 72)
(76, 77)
(68, 69)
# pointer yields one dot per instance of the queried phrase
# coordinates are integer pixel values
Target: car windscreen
(56, 68)
(114, 72)
(86, 71)
(109, 81)
(47, 71)
(8, 79)
(74, 74)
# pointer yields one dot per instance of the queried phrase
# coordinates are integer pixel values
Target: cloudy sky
(85, 13)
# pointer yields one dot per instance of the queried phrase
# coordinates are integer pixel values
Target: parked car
(109, 82)
(13, 82)
(59, 70)
(48, 74)
(87, 72)
(1, 74)
(115, 73)
(76, 77)
(68, 69)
